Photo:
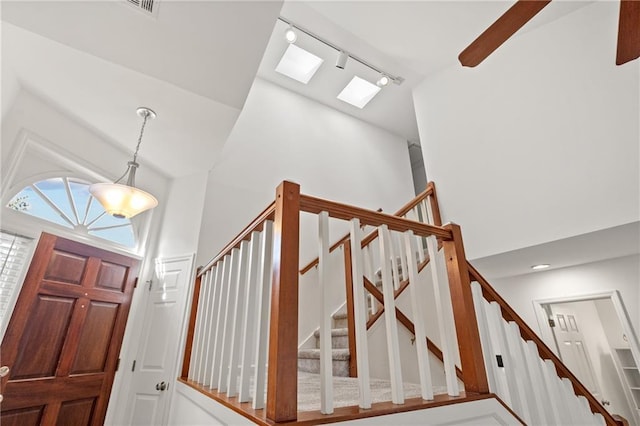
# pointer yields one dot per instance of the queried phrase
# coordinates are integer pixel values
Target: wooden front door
(64, 336)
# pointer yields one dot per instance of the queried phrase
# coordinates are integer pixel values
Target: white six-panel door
(156, 361)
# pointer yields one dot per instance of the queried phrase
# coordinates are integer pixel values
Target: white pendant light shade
(122, 201)
(125, 200)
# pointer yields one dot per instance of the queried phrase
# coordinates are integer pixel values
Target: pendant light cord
(144, 123)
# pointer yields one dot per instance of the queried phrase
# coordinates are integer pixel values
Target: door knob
(4, 370)
(162, 386)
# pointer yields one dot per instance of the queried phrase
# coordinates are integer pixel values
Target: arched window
(67, 202)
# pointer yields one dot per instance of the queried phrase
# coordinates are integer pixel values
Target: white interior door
(572, 348)
(156, 362)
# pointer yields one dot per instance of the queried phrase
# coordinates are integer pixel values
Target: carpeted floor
(346, 393)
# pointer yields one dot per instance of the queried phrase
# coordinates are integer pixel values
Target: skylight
(298, 64)
(358, 92)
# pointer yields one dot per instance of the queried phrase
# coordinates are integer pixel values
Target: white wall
(280, 136)
(622, 274)
(185, 203)
(540, 141)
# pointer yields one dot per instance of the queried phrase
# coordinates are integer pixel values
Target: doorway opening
(593, 336)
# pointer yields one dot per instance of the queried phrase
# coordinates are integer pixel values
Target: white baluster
(359, 310)
(228, 318)
(393, 347)
(585, 411)
(249, 320)
(220, 315)
(206, 312)
(211, 326)
(238, 315)
(494, 321)
(535, 366)
(517, 347)
(413, 215)
(480, 305)
(195, 348)
(517, 402)
(416, 283)
(369, 273)
(263, 302)
(553, 386)
(599, 419)
(391, 256)
(571, 402)
(403, 275)
(445, 316)
(326, 358)
(424, 213)
(525, 390)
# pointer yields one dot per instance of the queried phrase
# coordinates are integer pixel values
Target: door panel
(65, 333)
(75, 412)
(111, 276)
(95, 338)
(47, 329)
(65, 267)
(25, 417)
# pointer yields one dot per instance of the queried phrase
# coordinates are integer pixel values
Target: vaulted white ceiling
(194, 62)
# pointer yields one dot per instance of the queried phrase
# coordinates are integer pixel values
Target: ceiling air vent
(148, 7)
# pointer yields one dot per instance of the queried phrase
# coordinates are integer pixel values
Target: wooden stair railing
(544, 351)
(429, 194)
(277, 227)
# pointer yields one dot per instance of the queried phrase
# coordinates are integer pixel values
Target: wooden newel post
(282, 390)
(464, 314)
(351, 320)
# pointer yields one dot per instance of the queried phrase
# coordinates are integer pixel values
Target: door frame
(119, 409)
(623, 316)
(547, 334)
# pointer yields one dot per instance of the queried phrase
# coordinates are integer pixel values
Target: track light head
(383, 80)
(290, 35)
(341, 62)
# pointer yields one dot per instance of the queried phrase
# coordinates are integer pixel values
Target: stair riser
(340, 322)
(311, 365)
(337, 342)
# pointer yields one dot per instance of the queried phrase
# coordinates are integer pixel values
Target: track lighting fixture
(383, 80)
(290, 35)
(343, 56)
(341, 62)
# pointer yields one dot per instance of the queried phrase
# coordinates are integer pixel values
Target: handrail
(336, 210)
(254, 225)
(429, 191)
(544, 351)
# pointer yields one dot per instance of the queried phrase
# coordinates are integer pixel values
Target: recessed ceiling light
(298, 64)
(540, 266)
(358, 92)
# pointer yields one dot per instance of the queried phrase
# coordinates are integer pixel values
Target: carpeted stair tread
(339, 315)
(335, 332)
(337, 354)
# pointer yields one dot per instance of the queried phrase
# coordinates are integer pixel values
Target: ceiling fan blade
(628, 32)
(500, 31)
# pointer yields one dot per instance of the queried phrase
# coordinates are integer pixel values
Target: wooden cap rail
(544, 351)
(255, 225)
(367, 217)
